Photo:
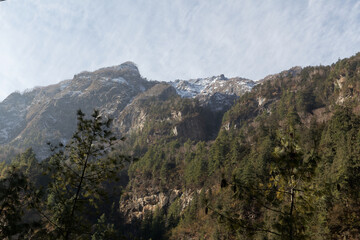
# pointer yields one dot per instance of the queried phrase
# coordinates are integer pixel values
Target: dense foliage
(284, 165)
(287, 168)
(67, 196)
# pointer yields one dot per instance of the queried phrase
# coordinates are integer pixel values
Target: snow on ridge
(84, 76)
(64, 85)
(191, 88)
(142, 88)
(120, 80)
(209, 86)
(126, 66)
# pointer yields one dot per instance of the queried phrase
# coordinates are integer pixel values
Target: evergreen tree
(16, 197)
(291, 171)
(79, 172)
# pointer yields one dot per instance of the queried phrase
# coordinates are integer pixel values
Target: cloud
(43, 42)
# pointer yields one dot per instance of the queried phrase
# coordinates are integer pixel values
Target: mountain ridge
(196, 163)
(46, 113)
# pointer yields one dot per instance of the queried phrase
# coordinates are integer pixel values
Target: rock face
(135, 115)
(44, 114)
(12, 115)
(164, 113)
(292, 72)
(49, 113)
(134, 206)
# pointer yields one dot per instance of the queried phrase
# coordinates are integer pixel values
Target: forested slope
(285, 163)
(282, 163)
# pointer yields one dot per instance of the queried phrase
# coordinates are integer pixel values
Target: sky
(45, 41)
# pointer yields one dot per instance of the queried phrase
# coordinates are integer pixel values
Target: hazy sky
(46, 41)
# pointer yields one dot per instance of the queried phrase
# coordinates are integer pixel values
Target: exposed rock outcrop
(135, 205)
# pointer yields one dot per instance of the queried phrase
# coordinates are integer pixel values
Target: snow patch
(142, 88)
(209, 86)
(64, 85)
(120, 80)
(76, 93)
(126, 66)
(4, 134)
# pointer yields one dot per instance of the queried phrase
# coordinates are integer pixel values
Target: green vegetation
(75, 183)
(285, 168)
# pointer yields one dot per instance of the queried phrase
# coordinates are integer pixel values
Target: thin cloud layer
(44, 42)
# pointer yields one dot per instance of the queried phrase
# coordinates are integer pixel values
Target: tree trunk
(291, 230)
(78, 192)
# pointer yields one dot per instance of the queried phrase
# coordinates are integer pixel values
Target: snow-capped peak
(209, 86)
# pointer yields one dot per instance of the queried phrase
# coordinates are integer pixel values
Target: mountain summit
(42, 114)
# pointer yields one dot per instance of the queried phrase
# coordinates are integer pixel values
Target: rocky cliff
(43, 114)
(48, 113)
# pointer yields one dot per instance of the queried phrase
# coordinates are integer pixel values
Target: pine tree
(16, 197)
(291, 171)
(79, 171)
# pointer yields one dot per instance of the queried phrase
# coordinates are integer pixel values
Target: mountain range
(48, 114)
(216, 157)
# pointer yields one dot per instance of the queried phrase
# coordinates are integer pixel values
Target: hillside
(313, 108)
(218, 158)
